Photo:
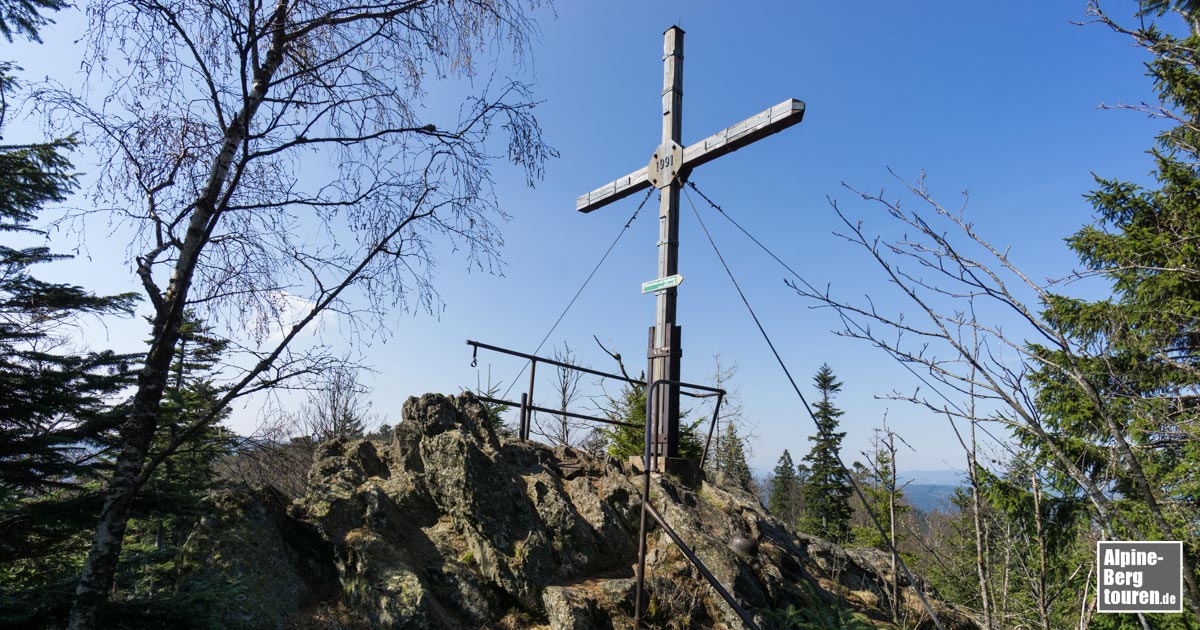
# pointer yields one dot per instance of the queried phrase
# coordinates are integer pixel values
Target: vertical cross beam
(669, 166)
(665, 352)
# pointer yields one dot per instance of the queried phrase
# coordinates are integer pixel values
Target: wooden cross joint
(728, 140)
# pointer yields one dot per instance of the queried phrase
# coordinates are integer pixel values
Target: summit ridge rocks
(448, 525)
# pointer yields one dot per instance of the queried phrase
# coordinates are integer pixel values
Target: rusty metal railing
(527, 407)
(648, 510)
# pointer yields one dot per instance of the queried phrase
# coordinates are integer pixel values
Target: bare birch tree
(276, 163)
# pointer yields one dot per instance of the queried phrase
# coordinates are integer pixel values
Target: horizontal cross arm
(728, 140)
(614, 190)
(754, 128)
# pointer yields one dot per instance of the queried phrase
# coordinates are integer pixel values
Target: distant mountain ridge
(930, 490)
(944, 476)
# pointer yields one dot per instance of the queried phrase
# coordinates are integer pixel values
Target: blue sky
(998, 99)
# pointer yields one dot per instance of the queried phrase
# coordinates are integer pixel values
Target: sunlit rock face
(449, 525)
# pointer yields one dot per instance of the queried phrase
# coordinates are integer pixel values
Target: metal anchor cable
(583, 286)
(879, 526)
(905, 364)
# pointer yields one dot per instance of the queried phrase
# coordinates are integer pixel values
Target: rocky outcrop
(445, 527)
(261, 564)
(448, 526)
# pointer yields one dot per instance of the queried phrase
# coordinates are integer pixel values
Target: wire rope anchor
(783, 366)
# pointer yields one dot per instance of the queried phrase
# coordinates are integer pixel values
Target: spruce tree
(883, 491)
(172, 496)
(629, 406)
(730, 458)
(55, 402)
(178, 485)
(784, 502)
(827, 490)
(1123, 407)
(57, 415)
(495, 411)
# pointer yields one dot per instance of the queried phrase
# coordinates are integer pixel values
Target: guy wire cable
(961, 414)
(581, 288)
(861, 497)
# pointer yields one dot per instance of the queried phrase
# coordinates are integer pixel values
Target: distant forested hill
(929, 490)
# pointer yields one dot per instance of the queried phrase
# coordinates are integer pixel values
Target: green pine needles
(827, 490)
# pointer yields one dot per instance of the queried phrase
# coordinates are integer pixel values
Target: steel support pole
(529, 412)
(640, 588)
(523, 417)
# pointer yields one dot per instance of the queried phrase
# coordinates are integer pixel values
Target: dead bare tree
(737, 427)
(276, 166)
(883, 468)
(566, 389)
(273, 456)
(338, 407)
(616, 356)
(970, 446)
(946, 271)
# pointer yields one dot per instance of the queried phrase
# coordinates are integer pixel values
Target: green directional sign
(662, 283)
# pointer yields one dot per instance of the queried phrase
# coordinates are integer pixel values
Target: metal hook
(475, 357)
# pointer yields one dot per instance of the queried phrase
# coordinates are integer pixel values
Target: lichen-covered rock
(447, 526)
(781, 570)
(602, 604)
(266, 565)
(379, 582)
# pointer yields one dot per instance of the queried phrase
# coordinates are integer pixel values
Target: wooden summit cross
(669, 167)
